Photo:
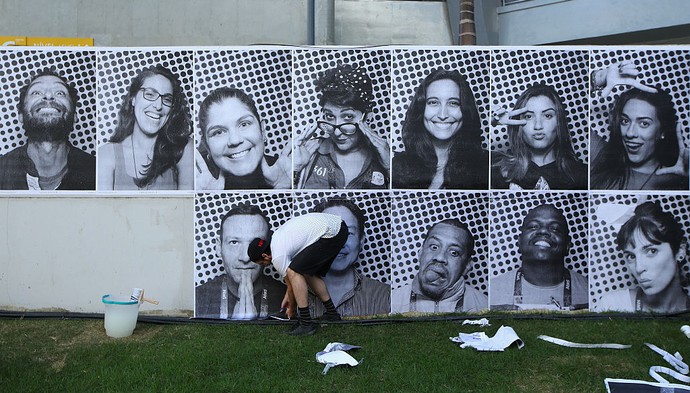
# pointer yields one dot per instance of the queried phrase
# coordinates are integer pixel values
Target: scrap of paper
(504, 337)
(570, 344)
(481, 322)
(334, 355)
(675, 360)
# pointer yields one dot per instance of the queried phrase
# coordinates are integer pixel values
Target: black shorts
(316, 259)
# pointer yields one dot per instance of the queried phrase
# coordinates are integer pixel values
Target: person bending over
(302, 251)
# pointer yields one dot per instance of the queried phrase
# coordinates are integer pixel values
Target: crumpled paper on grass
(504, 337)
(334, 355)
(481, 322)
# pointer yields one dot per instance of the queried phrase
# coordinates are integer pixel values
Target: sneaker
(280, 315)
(303, 330)
(330, 318)
(294, 327)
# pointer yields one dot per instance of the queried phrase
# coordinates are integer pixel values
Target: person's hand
(244, 308)
(304, 148)
(681, 165)
(380, 143)
(623, 73)
(288, 306)
(278, 175)
(204, 178)
(503, 116)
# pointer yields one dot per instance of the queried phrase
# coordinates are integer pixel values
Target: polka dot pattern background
(608, 271)
(309, 63)
(509, 209)
(413, 213)
(282, 82)
(513, 71)
(410, 67)
(116, 69)
(266, 75)
(77, 66)
(668, 68)
(210, 208)
(374, 261)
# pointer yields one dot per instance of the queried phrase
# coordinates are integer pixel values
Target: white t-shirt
(298, 233)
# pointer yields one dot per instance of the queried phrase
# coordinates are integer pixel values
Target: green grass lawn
(399, 356)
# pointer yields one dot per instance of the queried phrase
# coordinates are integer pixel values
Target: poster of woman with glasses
(343, 145)
(150, 144)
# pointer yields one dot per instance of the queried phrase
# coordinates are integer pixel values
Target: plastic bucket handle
(108, 301)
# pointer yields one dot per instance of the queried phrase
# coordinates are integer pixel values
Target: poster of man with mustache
(439, 285)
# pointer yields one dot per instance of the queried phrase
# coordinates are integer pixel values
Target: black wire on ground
(158, 319)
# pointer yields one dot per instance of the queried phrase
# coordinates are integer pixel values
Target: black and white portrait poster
(341, 106)
(145, 120)
(227, 285)
(639, 252)
(48, 120)
(640, 120)
(539, 245)
(440, 252)
(244, 113)
(440, 119)
(540, 119)
(359, 277)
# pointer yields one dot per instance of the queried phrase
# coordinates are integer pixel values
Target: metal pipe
(311, 21)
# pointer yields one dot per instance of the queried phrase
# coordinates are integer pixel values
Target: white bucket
(120, 315)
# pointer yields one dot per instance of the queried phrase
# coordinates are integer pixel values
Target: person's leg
(310, 264)
(318, 286)
(300, 292)
(298, 283)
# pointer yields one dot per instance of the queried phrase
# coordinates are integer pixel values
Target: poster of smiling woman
(639, 119)
(145, 121)
(440, 119)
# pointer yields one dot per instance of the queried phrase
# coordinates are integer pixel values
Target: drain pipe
(322, 22)
(311, 21)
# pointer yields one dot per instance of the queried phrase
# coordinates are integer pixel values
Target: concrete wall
(547, 21)
(67, 252)
(228, 22)
(360, 22)
(159, 22)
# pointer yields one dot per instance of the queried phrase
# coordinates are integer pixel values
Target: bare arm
(185, 168)
(106, 167)
(289, 300)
